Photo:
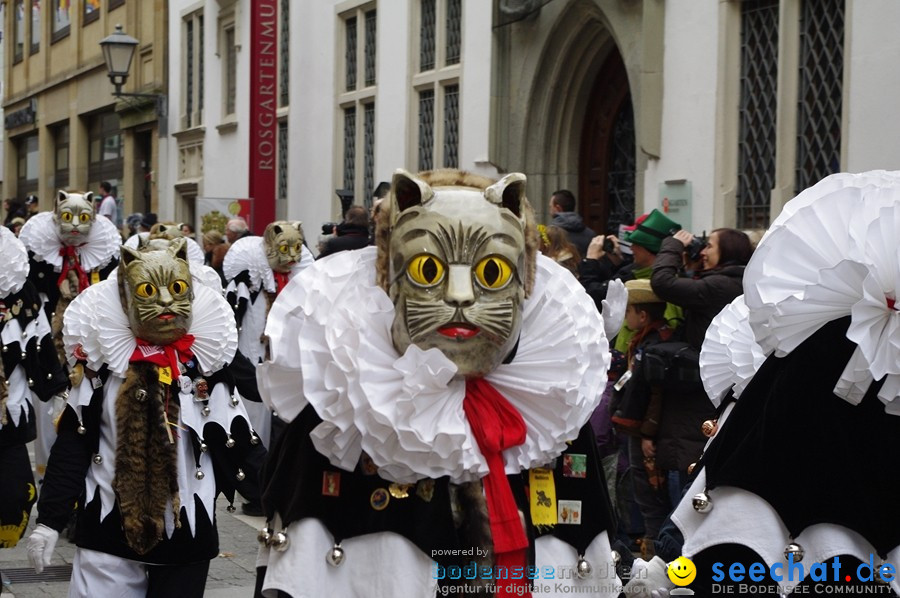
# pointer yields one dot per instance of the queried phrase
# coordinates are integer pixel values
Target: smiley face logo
(682, 571)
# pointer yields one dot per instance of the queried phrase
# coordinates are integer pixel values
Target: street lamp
(118, 51)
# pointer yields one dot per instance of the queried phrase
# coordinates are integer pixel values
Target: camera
(328, 228)
(695, 247)
(608, 245)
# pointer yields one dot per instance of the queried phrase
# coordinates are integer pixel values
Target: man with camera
(352, 233)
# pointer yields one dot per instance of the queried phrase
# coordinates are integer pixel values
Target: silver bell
(254, 439)
(199, 474)
(583, 568)
(235, 401)
(98, 459)
(205, 410)
(335, 556)
(794, 550)
(240, 475)
(203, 447)
(81, 429)
(230, 442)
(141, 395)
(231, 508)
(264, 536)
(702, 503)
(616, 558)
(280, 541)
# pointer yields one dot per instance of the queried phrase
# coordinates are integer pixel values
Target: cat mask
(460, 261)
(155, 288)
(73, 216)
(283, 242)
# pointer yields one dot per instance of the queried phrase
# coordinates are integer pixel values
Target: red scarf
(71, 262)
(281, 280)
(497, 426)
(165, 355)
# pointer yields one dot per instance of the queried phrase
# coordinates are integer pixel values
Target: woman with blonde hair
(555, 244)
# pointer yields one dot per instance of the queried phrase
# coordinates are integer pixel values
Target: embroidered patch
(331, 483)
(543, 496)
(574, 465)
(570, 512)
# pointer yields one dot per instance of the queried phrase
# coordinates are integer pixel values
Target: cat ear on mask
(142, 242)
(89, 197)
(508, 192)
(178, 248)
(276, 229)
(61, 196)
(128, 255)
(408, 190)
(299, 226)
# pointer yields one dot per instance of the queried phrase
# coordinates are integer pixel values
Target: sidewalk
(231, 574)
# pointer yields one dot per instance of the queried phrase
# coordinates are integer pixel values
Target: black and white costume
(30, 370)
(366, 482)
(803, 470)
(250, 289)
(216, 450)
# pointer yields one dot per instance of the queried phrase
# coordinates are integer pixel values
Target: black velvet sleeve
(67, 466)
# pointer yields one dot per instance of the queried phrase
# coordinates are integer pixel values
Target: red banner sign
(263, 104)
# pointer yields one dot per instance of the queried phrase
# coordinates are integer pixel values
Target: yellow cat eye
(297, 247)
(178, 287)
(283, 248)
(425, 270)
(145, 290)
(66, 216)
(493, 272)
(84, 217)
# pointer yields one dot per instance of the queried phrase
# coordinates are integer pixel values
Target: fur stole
(474, 528)
(146, 461)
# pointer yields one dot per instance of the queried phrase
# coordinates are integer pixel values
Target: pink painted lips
(459, 331)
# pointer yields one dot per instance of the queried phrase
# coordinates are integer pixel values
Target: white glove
(649, 579)
(614, 307)
(40, 547)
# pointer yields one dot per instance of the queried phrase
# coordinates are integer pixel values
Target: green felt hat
(650, 233)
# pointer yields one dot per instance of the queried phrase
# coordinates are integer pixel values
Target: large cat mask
(74, 216)
(460, 261)
(155, 288)
(283, 242)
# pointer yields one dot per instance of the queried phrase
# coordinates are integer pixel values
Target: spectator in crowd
(187, 230)
(236, 228)
(147, 222)
(562, 208)
(32, 206)
(715, 286)
(214, 250)
(15, 225)
(556, 245)
(133, 224)
(378, 196)
(14, 208)
(108, 206)
(352, 233)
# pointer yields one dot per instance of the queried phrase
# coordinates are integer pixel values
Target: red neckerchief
(281, 280)
(71, 262)
(165, 355)
(497, 426)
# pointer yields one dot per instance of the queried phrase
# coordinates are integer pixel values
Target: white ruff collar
(249, 254)
(15, 263)
(40, 235)
(331, 346)
(95, 321)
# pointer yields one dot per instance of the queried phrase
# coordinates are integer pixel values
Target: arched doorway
(606, 181)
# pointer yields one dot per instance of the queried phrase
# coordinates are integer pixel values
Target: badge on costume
(425, 490)
(366, 464)
(165, 375)
(574, 465)
(570, 512)
(185, 385)
(543, 496)
(379, 499)
(331, 483)
(399, 490)
(95, 277)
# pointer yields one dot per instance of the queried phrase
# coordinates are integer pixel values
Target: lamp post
(118, 51)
